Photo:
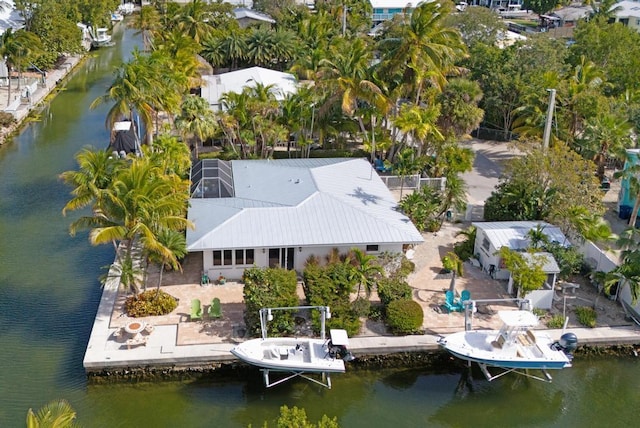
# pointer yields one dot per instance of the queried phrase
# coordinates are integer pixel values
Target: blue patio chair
(464, 296)
(451, 303)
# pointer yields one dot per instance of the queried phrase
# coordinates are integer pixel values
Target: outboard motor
(568, 343)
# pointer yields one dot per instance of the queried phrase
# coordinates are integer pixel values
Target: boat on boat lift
(297, 356)
(516, 347)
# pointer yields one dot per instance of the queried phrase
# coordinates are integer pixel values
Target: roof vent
(297, 181)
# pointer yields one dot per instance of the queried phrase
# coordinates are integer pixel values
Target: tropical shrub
(6, 119)
(404, 316)
(570, 260)
(406, 267)
(331, 285)
(586, 316)
(295, 417)
(556, 321)
(394, 288)
(464, 249)
(268, 288)
(150, 303)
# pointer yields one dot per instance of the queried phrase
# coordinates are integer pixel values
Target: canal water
(49, 292)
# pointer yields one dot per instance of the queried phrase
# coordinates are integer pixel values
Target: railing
(413, 182)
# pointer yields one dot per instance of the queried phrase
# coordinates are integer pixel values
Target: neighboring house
(628, 14)
(384, 10)
(247, 17)
(280, 212)
(235, 81)
(569, 16)
(627, 199)
(491, 236)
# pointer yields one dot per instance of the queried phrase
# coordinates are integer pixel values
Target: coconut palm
(56, 414)
(537, 237)
(426, 51)
(96, 169)
(146, 21)
(172, 247)
(197, 119)
(345, 75)
(17, 48)
(194, 20)
(365, 270)
(421, 124)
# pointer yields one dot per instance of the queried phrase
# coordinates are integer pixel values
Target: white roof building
(9, 17)
(280, 212)
(628, 14)
(235, 81)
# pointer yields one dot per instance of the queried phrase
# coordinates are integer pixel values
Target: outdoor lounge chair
(196, 309)
(451, 303)
(215, 310)
(205, 279)
(464, 296)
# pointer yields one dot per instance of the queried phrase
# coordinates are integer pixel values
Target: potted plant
(222, 280)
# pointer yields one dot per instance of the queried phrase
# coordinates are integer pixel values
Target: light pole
(549, 120)
(344, 18)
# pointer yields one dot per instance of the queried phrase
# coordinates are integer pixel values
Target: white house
(247, 17)
(280, 212)
(215, 86)
(628, 14)
(491, 236)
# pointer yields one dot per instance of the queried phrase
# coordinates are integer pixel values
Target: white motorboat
(296, 355)
(516, 346)
(101, 38)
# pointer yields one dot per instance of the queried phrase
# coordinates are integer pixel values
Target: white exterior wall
(488, 257)
(301, 254)
(541, 299)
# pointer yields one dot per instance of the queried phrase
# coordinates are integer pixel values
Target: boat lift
(524, 304)
(266, 315)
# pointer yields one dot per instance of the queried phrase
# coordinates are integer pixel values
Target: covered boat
(516, 346)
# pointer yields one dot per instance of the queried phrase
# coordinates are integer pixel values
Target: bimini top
(518, 318)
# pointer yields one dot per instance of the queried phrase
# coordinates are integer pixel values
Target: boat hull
(289, 355)
(477, 346)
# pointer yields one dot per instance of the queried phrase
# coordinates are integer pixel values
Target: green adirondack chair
(196, 309)
(215, 310)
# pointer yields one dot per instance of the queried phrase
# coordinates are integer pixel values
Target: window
(244, 257)
(372, 248)
(486, 244)
(222, 258)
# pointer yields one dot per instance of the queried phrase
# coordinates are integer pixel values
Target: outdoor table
(134, 327)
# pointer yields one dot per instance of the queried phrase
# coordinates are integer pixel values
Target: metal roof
(513, 234)
(300, 202)
(550, 264)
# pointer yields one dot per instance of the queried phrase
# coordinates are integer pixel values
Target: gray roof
(513, 234)
(300, 202)
(550, 265)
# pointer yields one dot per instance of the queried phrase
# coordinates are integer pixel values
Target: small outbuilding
(491, 236)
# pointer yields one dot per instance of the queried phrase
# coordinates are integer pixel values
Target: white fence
(413, 182)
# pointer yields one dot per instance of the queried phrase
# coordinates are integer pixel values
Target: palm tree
(455, 265)
(537, 237)
(16, 48)
(146, 21)
(407, 163)
(426, 51)
(421, 123)
(56, 414)
(365, 270)
(96, 169)
(194, 20)
(346, 78)
(197, 119)
(606, 134)
(172, 246)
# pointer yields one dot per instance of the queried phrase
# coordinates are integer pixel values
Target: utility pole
(549, 120)
(344, 19)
